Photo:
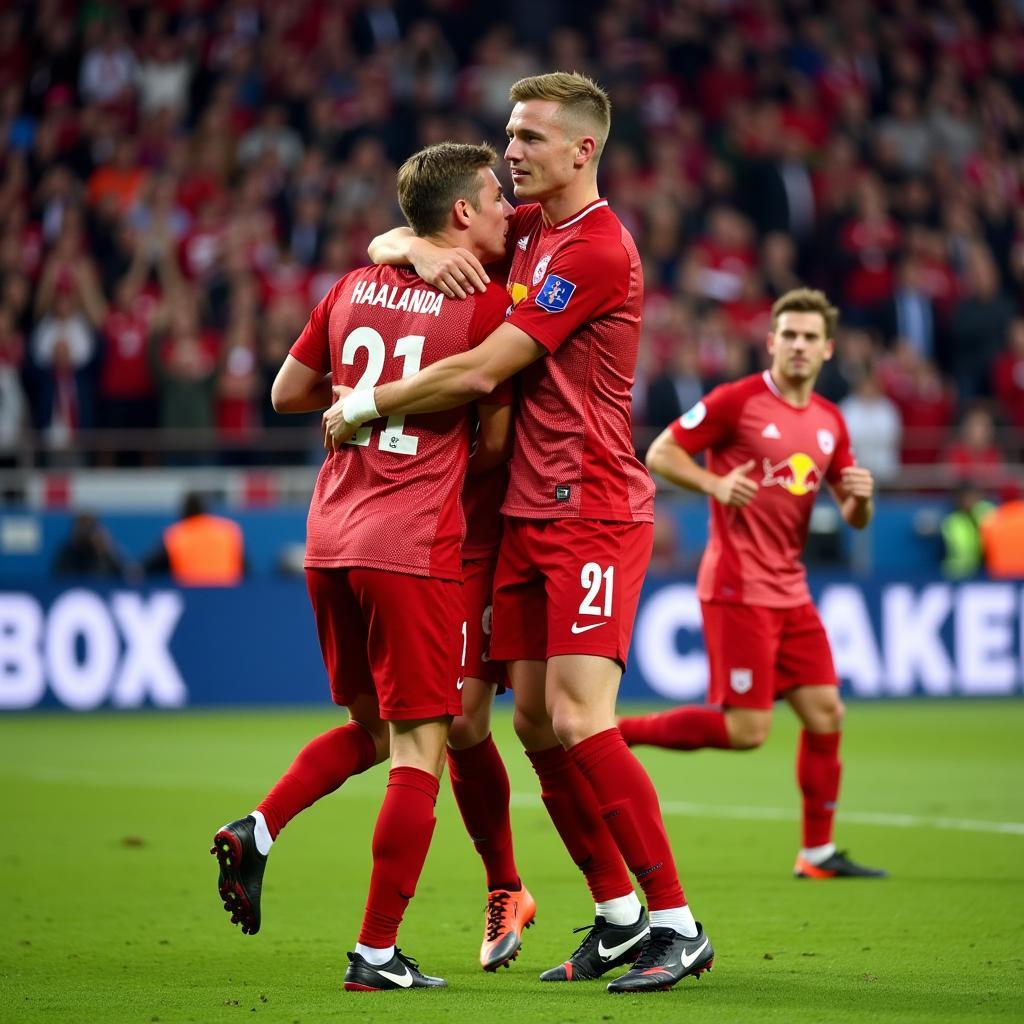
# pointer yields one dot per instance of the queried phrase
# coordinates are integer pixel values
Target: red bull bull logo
(798, 474)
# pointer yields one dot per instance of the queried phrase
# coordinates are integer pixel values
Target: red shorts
(392, 634)
(568, 586)
(478, 589)
(755, 653)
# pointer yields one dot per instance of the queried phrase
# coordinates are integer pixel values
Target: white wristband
(359, 407)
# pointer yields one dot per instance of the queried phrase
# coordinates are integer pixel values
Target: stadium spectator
(200, 549)
(676, 388)
(63, 351)
(906, 132)
(771, 443)
(239, 382)
(109, 69)
(909, 315)
(13, 401)
(974, 457)
(119, 183)
(89, 552)
(926, 402)
(183, 359)
(875, 428)
(164, 78)
(1008, 379)
(272, 136)
(979, 325)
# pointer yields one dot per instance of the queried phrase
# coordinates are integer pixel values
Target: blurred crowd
(181, 181)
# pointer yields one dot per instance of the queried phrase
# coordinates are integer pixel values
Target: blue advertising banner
(90, 647)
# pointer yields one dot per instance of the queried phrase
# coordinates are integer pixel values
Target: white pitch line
(531, 801)
(739, 813)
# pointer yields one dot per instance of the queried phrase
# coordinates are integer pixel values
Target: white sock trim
(678, 918)
(817, 854)
(262, 834)
(621, 910)
(374, 956)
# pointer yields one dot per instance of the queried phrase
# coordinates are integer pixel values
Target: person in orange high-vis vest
(1002, 537)
(200, 550)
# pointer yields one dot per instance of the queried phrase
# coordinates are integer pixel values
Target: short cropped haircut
(807, 300)
(584, 102)
(430, 182)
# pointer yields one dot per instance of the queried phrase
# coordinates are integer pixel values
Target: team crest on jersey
(693, 417)
(741, 680)
(542, 265)
(826, 441)
(555, 293)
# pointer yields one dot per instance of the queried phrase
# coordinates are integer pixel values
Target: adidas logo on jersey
(523, 242)
(771, 431)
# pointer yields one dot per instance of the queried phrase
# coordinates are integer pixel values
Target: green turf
(109, 910)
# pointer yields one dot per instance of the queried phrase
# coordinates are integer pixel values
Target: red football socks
(818, 770)
(630, 808)
(480, 785)
(576, 816)
(401, 839)
(688, 728)
(320, 768)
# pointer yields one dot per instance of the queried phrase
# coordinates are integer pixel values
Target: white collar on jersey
(583, 213)
(772, 386)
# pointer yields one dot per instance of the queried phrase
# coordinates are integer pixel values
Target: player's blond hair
(430, 182)
(584, 103)
(807, 300)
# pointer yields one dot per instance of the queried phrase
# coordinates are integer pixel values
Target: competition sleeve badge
(555, 293)
(693, 417)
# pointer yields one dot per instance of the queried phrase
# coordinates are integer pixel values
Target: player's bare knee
(569, 729)
(747, 732)
(380, 735)
(573, 723)
(825, 714)
(468, 730)
(531, 727)
(834, 715)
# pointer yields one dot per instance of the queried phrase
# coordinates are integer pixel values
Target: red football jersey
(577, 288)
(482, 498)
(753, 554)
(391, 498)
(483, 494)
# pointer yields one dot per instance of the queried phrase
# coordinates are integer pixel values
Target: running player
(383, 555)
(771, 442)
(579, 514)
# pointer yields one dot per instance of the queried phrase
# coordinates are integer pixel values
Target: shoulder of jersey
(743, 387)
(526, 211)
(823, 403)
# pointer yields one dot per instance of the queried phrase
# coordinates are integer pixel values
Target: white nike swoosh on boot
(609, 954)
(689, 960)
(405, 980)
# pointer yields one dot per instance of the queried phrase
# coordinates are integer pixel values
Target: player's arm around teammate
(455, 271)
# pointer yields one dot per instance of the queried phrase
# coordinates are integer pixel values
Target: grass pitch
(110, 910)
